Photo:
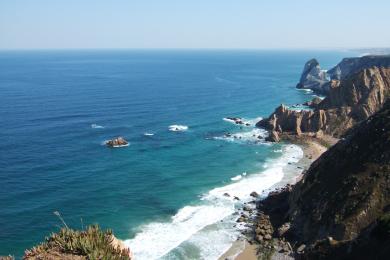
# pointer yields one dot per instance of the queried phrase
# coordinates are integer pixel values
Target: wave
(178, 128)
(95, 126)
(212, 217)
(148, 134)
(236, 178)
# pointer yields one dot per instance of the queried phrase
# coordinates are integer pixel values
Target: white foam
(196, 224)
(178, 128)
(95, 126)
(115, 146)
(245, 121)
(157, 239)
(306, 90)
(255, 135)
(229, 120)
(236, 178)
(148, 134)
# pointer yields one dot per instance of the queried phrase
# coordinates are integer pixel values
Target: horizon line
(195, 49)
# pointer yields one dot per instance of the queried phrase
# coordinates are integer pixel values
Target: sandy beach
(312, 149)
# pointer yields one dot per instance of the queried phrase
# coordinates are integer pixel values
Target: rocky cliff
(341, 208)
(349, 101)
(312, 76)
(320, 80)
(350, 66)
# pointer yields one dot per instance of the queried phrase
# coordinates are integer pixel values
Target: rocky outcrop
(117, 142)
(320, 80)
(273, 137)
(341, 207)
(350, 66)
(312, 76)
(313, 103)
(349, 101)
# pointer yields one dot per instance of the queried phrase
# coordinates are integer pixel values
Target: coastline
(245, 248)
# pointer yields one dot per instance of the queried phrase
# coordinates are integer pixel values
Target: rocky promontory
(320, 81)
(341, 207)
(349, 101)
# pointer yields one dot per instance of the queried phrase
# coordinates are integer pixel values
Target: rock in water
(117, 142)
(313, 77)
(273, 137)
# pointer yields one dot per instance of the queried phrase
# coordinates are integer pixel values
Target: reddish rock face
(351, 100)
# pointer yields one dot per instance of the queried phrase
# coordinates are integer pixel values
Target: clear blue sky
(194, 24)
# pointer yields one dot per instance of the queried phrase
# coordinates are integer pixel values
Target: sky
(220, 24)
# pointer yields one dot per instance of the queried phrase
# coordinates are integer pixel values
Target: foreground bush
(92, 243)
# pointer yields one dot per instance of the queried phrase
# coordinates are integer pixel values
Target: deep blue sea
(163, 194)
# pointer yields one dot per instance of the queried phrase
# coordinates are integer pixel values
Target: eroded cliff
(349, 101)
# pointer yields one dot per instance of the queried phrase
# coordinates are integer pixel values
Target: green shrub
(92, 243)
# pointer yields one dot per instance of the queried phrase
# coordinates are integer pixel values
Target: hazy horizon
(173, 24)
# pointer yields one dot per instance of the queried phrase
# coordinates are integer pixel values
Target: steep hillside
(341, 208)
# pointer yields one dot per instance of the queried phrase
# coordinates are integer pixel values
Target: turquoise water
(58, 107)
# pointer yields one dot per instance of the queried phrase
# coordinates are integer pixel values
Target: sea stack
(349, 101)
(313, 77)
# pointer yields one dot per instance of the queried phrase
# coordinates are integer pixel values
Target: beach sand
(312, 150)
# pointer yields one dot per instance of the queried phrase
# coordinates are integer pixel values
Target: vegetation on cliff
(91, 243)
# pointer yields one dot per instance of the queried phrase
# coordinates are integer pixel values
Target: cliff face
(341, 208)
(320, 81)
(349, 101)
(347, 190)
(350, 66)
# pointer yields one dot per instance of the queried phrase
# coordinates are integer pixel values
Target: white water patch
(245, 121)
(319, 96)
(200, 226)
(95, 126)
(236, 178)
(307, 90)
(178, 128)
(229, 120)
(157, 239)
(252, 121)
(148, 134)
(115, 146)
(255, 135)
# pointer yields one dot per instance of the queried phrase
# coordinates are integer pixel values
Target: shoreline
(244, 248)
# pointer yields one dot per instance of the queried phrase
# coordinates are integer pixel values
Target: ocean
(164, 194)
